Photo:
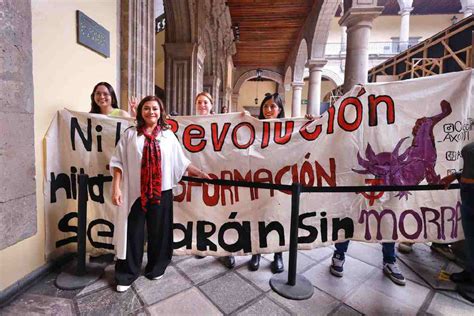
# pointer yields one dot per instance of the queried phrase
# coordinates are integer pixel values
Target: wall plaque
(92, 35)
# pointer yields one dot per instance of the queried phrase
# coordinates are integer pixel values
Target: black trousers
(159, 223)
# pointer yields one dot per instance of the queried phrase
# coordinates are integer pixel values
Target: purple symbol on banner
(415, 164)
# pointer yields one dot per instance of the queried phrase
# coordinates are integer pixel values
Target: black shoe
(199, 257)
(229, 261)
(466, 291)
(461, 277)
(277, 264)
(254, 263)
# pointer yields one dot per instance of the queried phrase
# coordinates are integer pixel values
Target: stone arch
(180, 22)
(333, 76)
(321, 29)
(287, 80)
(267, 74)
(209, 59)
(300, 61)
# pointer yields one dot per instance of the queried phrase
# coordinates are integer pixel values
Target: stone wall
(17, 152)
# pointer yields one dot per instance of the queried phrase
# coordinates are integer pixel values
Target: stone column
(343, 33)
(183, 75)
(359, 23)
(467, 7)
(314, 90)
(137, 49)
(18, 214)
(343, 40)
(405, 9)
(234, 102)
(296, 102)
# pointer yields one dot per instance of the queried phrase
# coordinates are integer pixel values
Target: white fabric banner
(399, 133)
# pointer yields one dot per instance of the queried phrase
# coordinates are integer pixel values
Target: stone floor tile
(47, 287)
(261, 277)
(32, 304)
(444, 305)
(429, 274)
(356, 272)
(344, 310)
(199, 270)
(425, 257)
(107, 280)
(189, 302)
(372, 302)
(176, 259)
(412, 294)
(376, 245)
(409, 274)
(264, 306)
(318, 254)
(302, 262)
(365, 253)
(109, 302)
(152, 291)
(141, 312)
(229, 292)
(318, 304)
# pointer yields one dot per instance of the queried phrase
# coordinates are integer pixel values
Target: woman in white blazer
(147, 163)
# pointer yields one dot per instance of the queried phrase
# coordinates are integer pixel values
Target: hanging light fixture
(259, 77)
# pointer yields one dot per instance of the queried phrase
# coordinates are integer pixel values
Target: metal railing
(375, 48)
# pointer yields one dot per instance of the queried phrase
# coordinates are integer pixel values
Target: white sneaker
(337, 266)
(394, 273)
(158, 277)
(122, 288)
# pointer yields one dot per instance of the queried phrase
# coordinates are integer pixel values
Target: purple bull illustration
(415, 164)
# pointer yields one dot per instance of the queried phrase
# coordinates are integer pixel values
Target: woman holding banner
(104, 101)
(465, 279)
(147, 163)
(204, 106)
(270, 108)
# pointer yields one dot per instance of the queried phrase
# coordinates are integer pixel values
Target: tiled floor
(205, 287)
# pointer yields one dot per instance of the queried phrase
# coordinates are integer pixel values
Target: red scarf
(150, 173)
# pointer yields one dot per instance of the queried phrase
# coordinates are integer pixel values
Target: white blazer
(127, 157)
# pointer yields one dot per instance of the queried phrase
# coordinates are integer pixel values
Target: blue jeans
(467, 220)
(388, 250)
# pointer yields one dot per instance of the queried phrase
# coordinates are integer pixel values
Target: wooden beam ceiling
(268, 29)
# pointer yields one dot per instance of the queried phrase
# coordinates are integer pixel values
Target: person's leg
(390, 267)
(467, 220)
(128, 270)
(229, 261)
(277, 264)
(388, 250)
(254, 263)
(466, 289)
(160, 235)
(341, 248)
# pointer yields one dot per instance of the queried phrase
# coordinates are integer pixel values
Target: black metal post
(81, 224)
(294, 286)
(79, 275)
(295, 210)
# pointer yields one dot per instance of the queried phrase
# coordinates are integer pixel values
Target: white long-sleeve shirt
(127, 157)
